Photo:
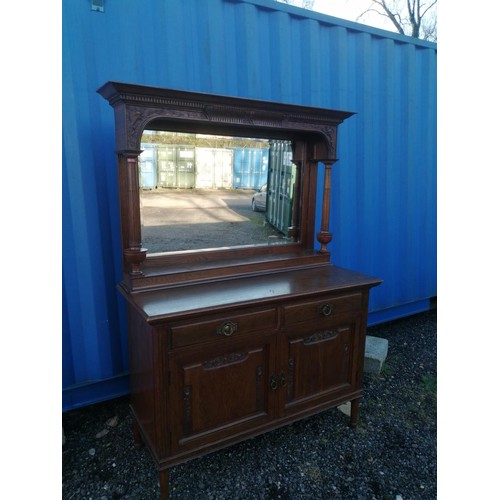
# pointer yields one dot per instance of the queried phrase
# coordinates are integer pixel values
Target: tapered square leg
(137, 434)
(164, 488)
(354, 412)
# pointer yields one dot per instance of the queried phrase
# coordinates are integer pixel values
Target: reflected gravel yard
(188, 219)
(391, 453)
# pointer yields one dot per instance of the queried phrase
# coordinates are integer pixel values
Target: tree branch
(409, 23)
(428, 8)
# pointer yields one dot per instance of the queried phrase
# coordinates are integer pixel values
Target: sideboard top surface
(159, 305)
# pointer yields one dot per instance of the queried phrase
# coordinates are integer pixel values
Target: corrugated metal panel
(250, 167)
(214, 168)
(384, 185)
(148, 166)
(280, 185)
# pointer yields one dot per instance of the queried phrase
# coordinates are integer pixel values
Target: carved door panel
(318, 363)
(220, 391)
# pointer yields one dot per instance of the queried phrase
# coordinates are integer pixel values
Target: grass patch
(429, 384)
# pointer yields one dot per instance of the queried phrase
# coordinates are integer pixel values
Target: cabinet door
(220, 390)
(320, 356)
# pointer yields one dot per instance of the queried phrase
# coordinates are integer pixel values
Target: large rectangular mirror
(201, 191)
(192, 165)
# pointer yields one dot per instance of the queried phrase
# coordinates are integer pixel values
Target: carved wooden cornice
(138, 107)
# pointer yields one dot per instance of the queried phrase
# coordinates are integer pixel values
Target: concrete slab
(345, 408)
(375, 353)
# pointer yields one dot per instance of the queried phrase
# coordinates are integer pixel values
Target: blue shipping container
(148, 166)
(250, 167)
(383, 198)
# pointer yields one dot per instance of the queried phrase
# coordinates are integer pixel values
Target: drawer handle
(282, 379)
(227, 328)
(273, 382)
(326, 309)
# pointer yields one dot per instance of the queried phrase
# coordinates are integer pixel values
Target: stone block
(375, 353)
(345, 408)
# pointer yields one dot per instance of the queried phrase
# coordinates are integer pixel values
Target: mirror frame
(313, 132)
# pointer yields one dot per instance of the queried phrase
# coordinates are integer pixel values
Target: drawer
(322, 308)
(223, 326)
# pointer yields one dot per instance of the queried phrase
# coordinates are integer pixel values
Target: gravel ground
(390, 455)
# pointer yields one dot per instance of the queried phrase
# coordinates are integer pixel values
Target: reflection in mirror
(206, 191)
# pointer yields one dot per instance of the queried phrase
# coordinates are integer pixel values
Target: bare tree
(415, 18)
(306, 4)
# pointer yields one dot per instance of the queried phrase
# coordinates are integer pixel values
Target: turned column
(130, 213)
(324, 236)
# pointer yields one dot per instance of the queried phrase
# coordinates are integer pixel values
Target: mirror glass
(203, 191)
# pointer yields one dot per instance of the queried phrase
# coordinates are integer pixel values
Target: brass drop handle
(274, 384)
(326, 309)
(282, 379)
(227, 328)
